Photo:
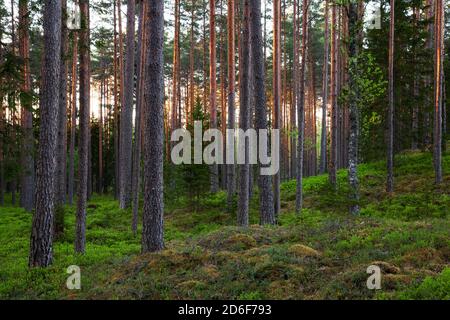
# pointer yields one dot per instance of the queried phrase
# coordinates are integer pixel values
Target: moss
(386, 267)
(300, 250)
(430, 289)
(323, 253)
(238, 242)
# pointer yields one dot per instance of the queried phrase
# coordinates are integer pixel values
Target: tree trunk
(60, 195)
(267, 214)
(126, 123)
(100, 133)
(415, 110)
(354, 25)
(293, 114)
(27, 150)
(334, 117)
(83, 147)
(214, 169)
(231, 184)
(438, 87)
(390, 120)
(244, 119)
(153, 220)
(175, 72)
(73, 122)
(41, 243)
(138, 125)
(116, 111)
(324, 136)
(189, 116)
(301, 112)
(277, 92)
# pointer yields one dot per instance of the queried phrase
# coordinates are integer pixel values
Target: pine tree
(231, 184)
(390, 120)
(41, 243)
(27, 158)
(267, 212)
(244, 118)
(126, 120)
(83, 146)
(153, 220)
(301, 112)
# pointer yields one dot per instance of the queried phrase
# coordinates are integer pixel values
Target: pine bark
(301, 112)
(231, 184)
(277, 92)
(189, 116)
(41, 243)
(332, 163)
(244, 119)
(116, 109)
(62, 128)
(138, 125)
(390, 119)
(325, 73)
(73, 121)
(100, 132)
(267, 212)
(153, 108)
(176, 69)
(214, 168)
(438, 88)
(83, 146)
(354, 26)
(293, 111)
(126, 123)
(27, 150)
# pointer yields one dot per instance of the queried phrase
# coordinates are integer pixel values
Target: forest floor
(322, 254)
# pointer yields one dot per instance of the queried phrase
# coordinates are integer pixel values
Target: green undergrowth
(322, 253)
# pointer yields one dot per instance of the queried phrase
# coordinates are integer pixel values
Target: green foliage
(321, 254)
(432, 288)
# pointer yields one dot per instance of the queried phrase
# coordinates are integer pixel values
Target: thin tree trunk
(116, 111)
(60, 195)
(27, 150)
(390, 148)
(189, 117)
(205, 69)
(153, 220)
(323, 142)
(73, 122)
(438, 88)
(301, 112)
(175, 72)
(354, 25)
(415, 110)
(214, 169)
(244, 119)
(100, 134)
(126, 123)
(138, 125)
(295, 91)
(231, 184)
(277, 92)
(41, 243)
(83, 148)
(334, 116)
(267, 214)
(223, 75)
